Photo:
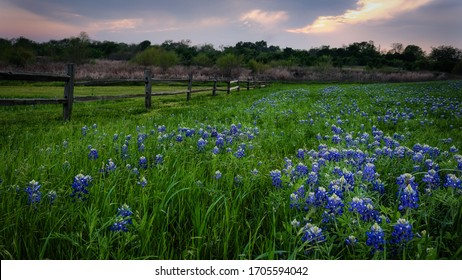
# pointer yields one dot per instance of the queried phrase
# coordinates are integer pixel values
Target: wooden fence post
(214, 90)
(238, 85)
(229, 87)
(248, 83)
(188, 94)
(69, 92)
(147, 88)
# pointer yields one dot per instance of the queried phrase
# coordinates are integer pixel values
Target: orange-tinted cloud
(264, 18)
(367, 10)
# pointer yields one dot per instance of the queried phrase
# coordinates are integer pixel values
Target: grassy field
(325, 171)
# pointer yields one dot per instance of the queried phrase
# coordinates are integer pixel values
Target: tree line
(257, 56)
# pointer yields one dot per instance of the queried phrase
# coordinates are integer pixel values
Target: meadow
(301, 171)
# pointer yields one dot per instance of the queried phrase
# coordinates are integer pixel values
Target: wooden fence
(68, 99)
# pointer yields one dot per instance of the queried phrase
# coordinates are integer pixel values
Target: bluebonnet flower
(34, 195)
(320, 197)
(215, 150)
(115, 137)
(369, 172)
(459, 162)
(93, 154)
(220, 142)
(52, 196)
(123, 219)
(432, 180)
(299, 171)
(276, 178)
(312, 179)
(79, 185)
(142, 182)
(254, 172)
(240, 153)
(297, 198)
(335, 205)
(110, 166)
(135, 171)
(201, 143)
(301, 154)
(364, 207)
(161, 128)
(407, 192)
(378, 186)
(351, 240)
(159, 159)
(295, 223)
(84, 130)
(238, 180)
(233, 129)
(418, 157)
(409, 198)
(402, 232)
(453, 181)
(190, 132)
(217, 175)
(179, 138)
(336, 139)
(143, 162)
(312, 234)
(375, 238)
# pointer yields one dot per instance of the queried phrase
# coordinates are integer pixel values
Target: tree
(157, 56)
(413, 57)
(445, 58)
(229, 64)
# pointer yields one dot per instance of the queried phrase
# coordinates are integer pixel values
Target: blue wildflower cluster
(123, 219)
(80, 186)
(408, 193)
(34, 195)
(375, 238)
(402, 232)
(312, 234)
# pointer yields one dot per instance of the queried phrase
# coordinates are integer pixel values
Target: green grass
(185, 213)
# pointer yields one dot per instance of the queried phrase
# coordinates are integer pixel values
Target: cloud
(264, 18)
(367, 10)
(116, 25)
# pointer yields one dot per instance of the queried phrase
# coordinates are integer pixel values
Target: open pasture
(327, 171)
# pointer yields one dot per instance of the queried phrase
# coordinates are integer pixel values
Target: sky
(284, 23)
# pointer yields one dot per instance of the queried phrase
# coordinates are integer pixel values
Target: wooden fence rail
(69, 98)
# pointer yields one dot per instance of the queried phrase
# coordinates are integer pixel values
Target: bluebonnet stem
(375, 238)
(34, 195)
(276, 178)
(80, 186)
